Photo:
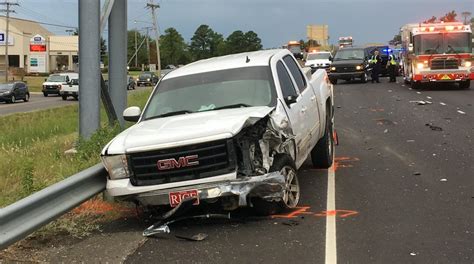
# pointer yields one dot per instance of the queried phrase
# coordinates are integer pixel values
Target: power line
(55, 23)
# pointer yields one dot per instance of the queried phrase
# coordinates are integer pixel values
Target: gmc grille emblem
(181, 162)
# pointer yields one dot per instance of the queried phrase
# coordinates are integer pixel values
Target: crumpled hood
(185, 129)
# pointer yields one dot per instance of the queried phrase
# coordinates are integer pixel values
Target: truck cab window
(286, 84)
(295, 71)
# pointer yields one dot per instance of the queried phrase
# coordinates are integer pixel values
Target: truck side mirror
(132, 114)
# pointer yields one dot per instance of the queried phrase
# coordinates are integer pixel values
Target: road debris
(420, 102)
(461, 112)
(418, 92)
(410, 140)
(434, 128)
(412, 254)
(197, 237)
(417, 173)
(291, 223)
(441, 103)
(429, 97)
(443, 180)
(385, 131)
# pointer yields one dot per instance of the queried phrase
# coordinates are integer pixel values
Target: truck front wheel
(322, 153)
(291, 196)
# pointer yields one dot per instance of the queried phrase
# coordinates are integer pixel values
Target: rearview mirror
(132, 114)
(290, 100)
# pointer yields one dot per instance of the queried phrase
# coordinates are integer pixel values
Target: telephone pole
(7, 10)
(153, 7)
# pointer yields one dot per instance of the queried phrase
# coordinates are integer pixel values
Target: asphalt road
(401, 191)
(403, 188)
(39, 102)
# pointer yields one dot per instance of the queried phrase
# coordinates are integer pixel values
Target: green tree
(200, 46)
(236, 42)
(449, 17)
(253, 41)
(216, 40)
(172, 48)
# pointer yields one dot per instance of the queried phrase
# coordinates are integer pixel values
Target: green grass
(32, 147)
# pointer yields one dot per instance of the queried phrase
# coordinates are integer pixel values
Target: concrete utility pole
(89, 67)
(153, 6)
(7, 11)
(118, 58)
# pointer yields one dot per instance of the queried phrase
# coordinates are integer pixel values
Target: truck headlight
(359, 67)
(420, 66)
(467, 64)
(116, 166)
(148, 79)
(333, 68)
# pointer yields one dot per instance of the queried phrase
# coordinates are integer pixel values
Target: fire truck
(437, 52)
(345, 42)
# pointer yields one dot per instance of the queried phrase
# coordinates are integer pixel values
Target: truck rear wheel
(291, 197)
(322, 153)
(64, 97)
(465, 84)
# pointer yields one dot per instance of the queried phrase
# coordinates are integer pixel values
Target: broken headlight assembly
(116, 166)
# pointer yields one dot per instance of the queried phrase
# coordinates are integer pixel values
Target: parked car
(147, 79)
(131, 83)
(319, 60)
(231, 130)
(11, 92)
(71, 89)
(350, 63)
(54, 82)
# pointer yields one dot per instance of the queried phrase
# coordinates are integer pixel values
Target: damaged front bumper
(269, 187)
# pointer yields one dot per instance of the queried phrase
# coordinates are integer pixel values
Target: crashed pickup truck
(231, 130)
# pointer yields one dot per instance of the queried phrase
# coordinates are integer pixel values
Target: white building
(33, 48)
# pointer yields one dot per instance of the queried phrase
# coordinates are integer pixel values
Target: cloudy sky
(275, 21)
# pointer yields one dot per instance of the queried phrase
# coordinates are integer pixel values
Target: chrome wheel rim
(291, 195)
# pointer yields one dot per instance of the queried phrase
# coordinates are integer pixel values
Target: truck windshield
(449, 43)
(318, 56)
(349, 54)
(56, 78)
(249, 86)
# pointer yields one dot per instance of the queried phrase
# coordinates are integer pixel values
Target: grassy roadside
(32, 147)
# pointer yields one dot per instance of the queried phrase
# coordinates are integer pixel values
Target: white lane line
(331, 248)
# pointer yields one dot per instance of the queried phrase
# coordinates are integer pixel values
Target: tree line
(205, 43)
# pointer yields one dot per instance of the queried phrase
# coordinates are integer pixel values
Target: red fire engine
(437, 52)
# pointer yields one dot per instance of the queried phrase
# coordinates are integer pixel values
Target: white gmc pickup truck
(231, 130)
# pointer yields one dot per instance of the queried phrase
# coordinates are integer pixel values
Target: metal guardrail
(22, 218)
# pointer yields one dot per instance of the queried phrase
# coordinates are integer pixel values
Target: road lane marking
(331, 247)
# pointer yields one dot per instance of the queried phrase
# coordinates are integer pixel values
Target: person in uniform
(392, 67)
(376, 65)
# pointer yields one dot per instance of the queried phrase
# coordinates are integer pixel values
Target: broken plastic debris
(429, 97)
(461, 112)
(291, 223)
(197, 237)
(441, 103)
(434, 128)
(420, 102)
(417, 173)
(444, 180)
(410, 140)
(418, 92)
(412, 254)
(385, 131)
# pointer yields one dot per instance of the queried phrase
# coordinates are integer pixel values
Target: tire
(12, 99)
(364, 78)
(465, 84)
(286, 165)
(45, 94)
(27, 97)
(322, 154)
(415, 85)
(333, 81)
(64, 97)
(75, 97)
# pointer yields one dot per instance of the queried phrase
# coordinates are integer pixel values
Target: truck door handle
(303, 110)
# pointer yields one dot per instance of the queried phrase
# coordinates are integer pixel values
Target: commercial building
(33, 48)
(318, 33)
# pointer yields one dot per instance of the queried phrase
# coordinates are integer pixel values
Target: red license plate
(176, 197)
